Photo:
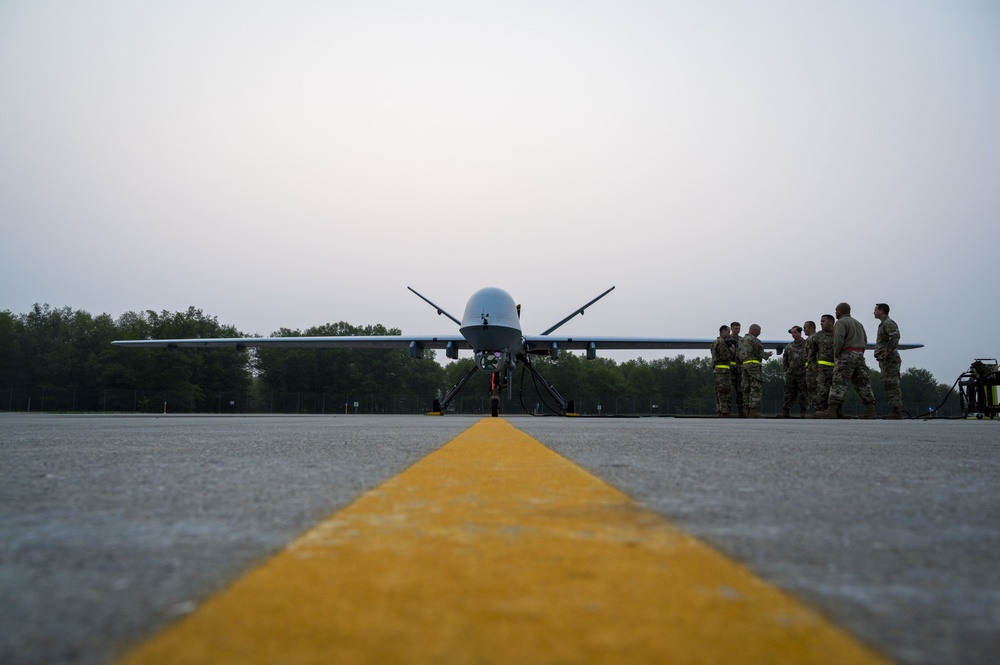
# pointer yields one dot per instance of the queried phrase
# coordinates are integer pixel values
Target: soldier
(819, 356)
(752, 353)
(722, 356)
(737, 375)
(849, 343)
(794, 361)
(809, 329)
(888, 360)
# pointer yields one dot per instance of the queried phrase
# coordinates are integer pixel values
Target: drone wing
(414, 343)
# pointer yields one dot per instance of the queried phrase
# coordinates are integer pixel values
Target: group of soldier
(818, 367)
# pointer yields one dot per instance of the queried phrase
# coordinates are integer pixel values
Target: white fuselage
(491, 326)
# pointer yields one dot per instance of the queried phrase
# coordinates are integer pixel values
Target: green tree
(344, 372)
(774, 381)
(920, 389)
(202, 376)
(12, 362)
(679, 378)
(640, 381)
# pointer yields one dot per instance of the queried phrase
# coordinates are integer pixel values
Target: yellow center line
(494, 549)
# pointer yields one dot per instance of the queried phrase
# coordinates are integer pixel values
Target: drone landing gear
(566, 408)
(440, 405)
(500, 381)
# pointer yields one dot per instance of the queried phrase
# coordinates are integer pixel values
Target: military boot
(830, 412)
(754, 412)
(869, 412)
(897, 414)
(840, 412)
(786, 413)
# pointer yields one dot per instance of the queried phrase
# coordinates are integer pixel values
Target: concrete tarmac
(891, 528)
(112, 527)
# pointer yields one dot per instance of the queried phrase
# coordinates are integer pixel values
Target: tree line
(60, 359)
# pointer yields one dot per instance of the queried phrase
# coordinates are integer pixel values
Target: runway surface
(117, 531)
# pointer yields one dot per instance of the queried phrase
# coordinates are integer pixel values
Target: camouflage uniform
(722, 357)
(737, 374)
(819, 355)
(794, 360)
(889, 361)
(849, 342)
(810, 375)
(751, 355)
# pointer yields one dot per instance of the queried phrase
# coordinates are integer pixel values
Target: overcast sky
(288, 164)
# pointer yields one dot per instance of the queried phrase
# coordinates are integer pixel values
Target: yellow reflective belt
(747, 362)
(722, 367)
(825, 362)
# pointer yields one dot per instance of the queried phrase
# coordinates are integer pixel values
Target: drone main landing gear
(500, 381)
(440, 405)
(566, 408)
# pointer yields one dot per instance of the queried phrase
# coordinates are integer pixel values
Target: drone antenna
(439, 310)
(579, 310)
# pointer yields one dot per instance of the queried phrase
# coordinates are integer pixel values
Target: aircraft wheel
(495, 406)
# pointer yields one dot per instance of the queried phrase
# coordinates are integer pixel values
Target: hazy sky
(288, 164)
